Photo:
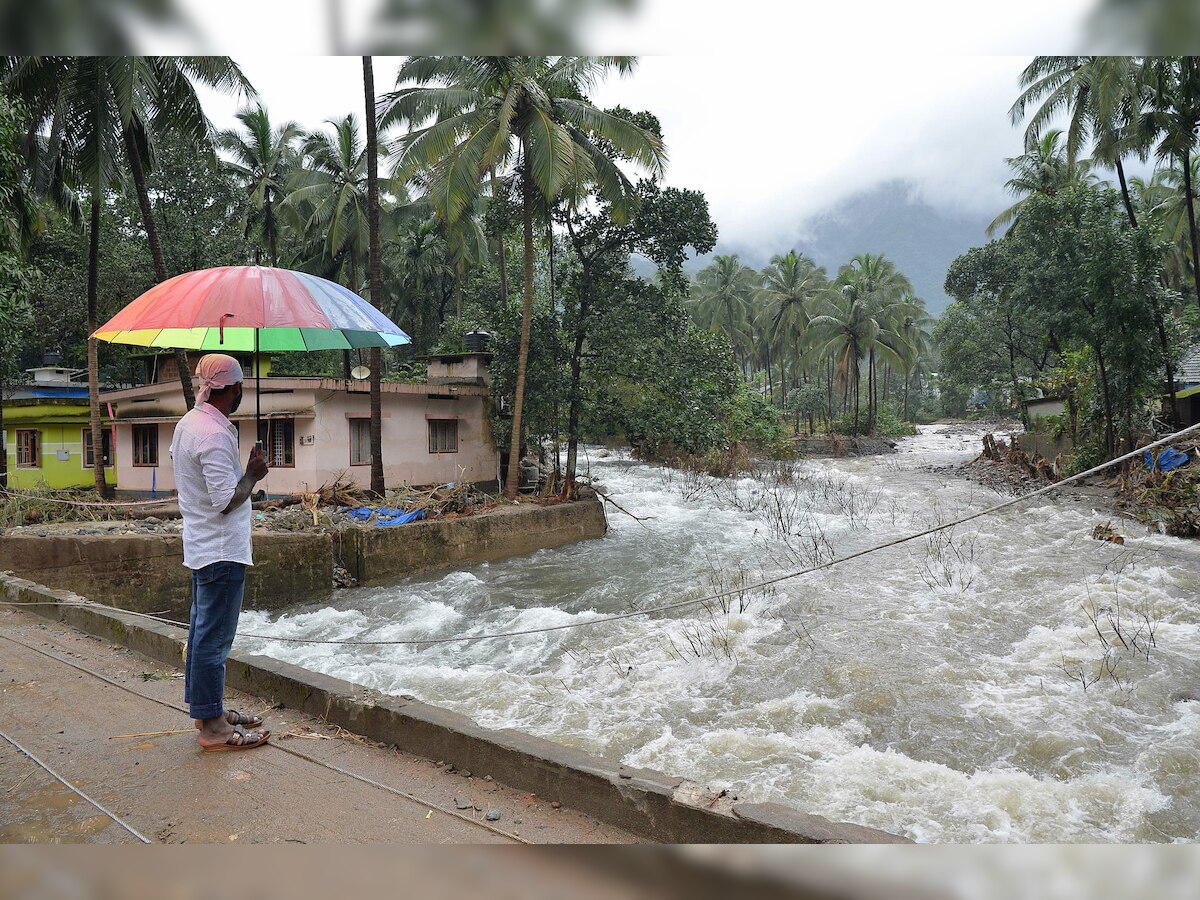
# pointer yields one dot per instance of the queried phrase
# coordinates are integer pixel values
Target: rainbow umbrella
(251, 309)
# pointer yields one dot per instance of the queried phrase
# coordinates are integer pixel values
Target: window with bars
(145, 445)
(360, 442)
(278, 438)
(443, 435)
(29, 448)
(88, 459)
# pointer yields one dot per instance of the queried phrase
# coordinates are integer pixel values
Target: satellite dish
(360, 373)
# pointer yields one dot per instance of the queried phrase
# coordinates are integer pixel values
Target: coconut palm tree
(490, 112)
(1105, 99)
(862, 320)
(263, 158)
(329, 194)
(791, 285)
(915, 326)
(722, 298)
(1174, 119)
(1044, 168)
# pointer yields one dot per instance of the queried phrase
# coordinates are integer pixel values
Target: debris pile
(1165, 491)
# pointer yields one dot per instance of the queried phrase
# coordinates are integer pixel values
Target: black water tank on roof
(476, 341)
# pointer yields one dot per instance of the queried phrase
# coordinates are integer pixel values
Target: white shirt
(207, 472)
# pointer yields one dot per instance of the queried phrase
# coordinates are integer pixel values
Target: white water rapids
(946, 690)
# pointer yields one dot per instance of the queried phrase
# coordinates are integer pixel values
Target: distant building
(47, 437)
(1044, 407)
(317, 430)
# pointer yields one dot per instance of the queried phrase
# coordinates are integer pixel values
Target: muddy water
(948, 690)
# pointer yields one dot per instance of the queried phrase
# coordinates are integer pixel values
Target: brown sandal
(239, 719)
(239, 740)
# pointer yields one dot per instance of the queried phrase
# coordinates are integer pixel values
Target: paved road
(164, 788)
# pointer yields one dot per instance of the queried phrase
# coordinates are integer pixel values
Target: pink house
(318, 430)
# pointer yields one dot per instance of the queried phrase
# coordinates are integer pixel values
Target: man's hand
(257, 467)
(256, 471)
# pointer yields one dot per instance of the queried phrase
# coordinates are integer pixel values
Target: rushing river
(1011, 680)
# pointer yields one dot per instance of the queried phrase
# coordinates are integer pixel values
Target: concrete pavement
(101, 736)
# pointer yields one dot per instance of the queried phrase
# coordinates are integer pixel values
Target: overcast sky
(770, 139)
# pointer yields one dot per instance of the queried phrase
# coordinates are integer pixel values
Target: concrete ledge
(375, 555)
(671, 810)
(145, 573)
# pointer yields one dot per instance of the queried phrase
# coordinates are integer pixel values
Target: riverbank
(1168, 503)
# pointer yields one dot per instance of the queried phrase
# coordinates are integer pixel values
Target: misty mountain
(891, 219)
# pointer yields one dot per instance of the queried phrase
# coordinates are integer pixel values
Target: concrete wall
(1044, 444)
(661, 807)
(375, 555)
(145, 573)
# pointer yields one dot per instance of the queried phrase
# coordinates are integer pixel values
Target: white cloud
(770, 138)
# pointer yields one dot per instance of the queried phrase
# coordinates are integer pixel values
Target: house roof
(1188, 371)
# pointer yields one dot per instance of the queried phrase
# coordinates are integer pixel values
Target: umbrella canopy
(251, 308)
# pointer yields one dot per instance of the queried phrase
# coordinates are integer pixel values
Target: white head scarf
(216, 371)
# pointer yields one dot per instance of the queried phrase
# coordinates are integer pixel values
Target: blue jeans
(216, 605)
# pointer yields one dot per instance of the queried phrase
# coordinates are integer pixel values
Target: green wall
(60, 426)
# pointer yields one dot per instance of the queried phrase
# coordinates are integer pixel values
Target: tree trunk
(458, 297)
(269, 222)
(160, 265)
(871, 400)
(346, 367)
(500, 258)
(829, 399)
(907, 379)
(1188, 197)
(1125, 194)
(576, 403)
(514, 450)
(378, 486)
(1109, 437)
(3, 435)
(93, 356)
(783, 380)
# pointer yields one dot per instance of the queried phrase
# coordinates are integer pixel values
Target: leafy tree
(991, 336)
(1101, 280)
(665, 223)
(17, 213)
(329, 194)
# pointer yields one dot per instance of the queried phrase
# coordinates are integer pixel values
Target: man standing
(214, 499)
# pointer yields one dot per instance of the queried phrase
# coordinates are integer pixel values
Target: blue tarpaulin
(385, 515)
(1167, 460)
